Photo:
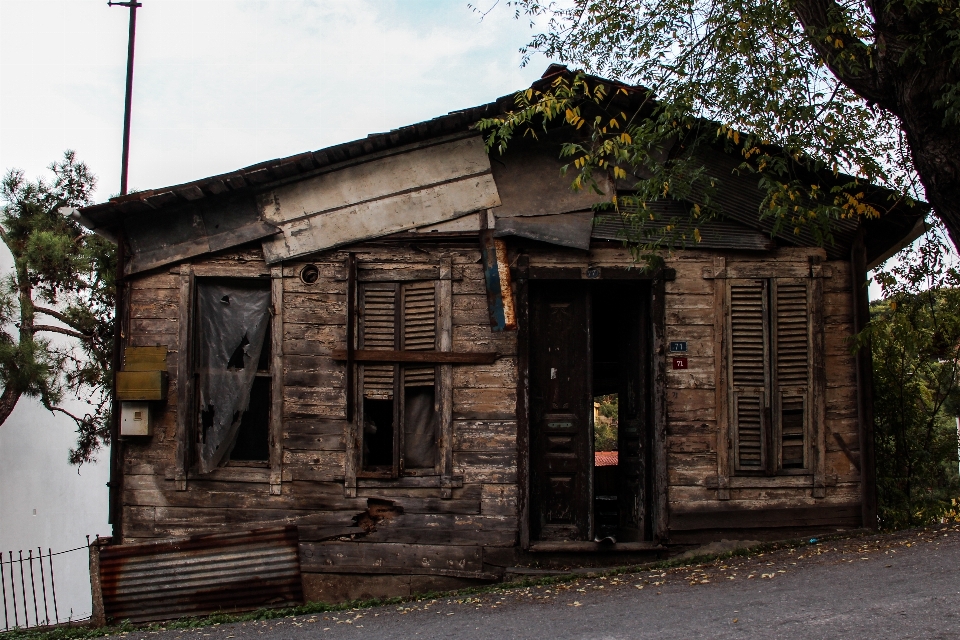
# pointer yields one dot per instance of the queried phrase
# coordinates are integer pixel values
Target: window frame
(441, 272)
(398, 468)
(271, 471)
(813, 474)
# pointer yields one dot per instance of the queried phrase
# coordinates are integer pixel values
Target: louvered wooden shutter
(419, 329)
(378, 331)
(792, 373)
(748, 350)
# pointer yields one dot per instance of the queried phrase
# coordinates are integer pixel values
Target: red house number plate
(680, 362)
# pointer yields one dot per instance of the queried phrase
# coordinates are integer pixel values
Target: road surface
(904, 585)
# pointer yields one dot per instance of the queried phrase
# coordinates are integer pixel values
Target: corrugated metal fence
(197, 575)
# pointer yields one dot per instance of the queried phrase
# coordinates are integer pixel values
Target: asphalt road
(894, 586)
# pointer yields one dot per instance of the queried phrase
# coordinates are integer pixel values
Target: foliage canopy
(817, 96)
(57, 303)
(915, 336)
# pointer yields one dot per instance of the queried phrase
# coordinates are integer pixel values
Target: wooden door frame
(522, 274)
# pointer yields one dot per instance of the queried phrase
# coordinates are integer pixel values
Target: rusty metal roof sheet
(200, 575)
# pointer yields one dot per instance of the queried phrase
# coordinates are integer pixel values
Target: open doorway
(589, 407)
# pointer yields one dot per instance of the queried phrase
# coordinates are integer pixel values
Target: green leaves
(914, 334)
(57, 305)
(770, 79)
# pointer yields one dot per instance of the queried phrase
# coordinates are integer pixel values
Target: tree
(57, 304)
(870, 89)
(915, 336)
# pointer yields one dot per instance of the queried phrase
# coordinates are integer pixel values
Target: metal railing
(28, 589)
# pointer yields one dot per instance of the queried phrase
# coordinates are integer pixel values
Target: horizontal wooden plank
(484, 435)
(412, 558)
(430, 357)
(846, 515)
(486, 467)
(586, 546)
(372, 218)
(502, 400)
(407, 482)
(314, 442)
(499, 500)
(502, 373)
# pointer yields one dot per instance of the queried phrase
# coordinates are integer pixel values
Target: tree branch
(59, 316)
(818, 18)
(52, 329)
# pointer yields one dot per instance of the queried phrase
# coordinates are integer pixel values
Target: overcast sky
(219, 85)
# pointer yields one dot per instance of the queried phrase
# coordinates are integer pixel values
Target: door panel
(561, 412)
(633, 434)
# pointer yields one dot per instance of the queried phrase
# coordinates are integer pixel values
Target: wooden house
(395, 344)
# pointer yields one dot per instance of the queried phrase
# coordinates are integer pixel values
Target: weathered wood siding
(419, 531)
(691, 399)
(424, 533)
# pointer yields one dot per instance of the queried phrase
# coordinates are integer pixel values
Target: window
(233, 378)
(398, 401)
(770, 375)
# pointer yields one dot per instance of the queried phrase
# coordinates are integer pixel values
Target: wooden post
(445, 386)
(352, 439)
(661, 524)
(720, 356)
(97, 615)
(861, 316)
(185, 413)
(276, 386)
(819, 386)
(523, 401)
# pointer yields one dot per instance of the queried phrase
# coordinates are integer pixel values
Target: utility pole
(128, 102)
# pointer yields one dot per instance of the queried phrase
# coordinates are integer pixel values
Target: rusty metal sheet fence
(28, 588)
(198, 575)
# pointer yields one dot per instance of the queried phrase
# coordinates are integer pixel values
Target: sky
(222, 84)
(218, 85)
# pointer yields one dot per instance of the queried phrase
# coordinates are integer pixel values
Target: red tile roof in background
(605, 458)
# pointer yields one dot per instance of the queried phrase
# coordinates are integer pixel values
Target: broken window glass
(232, 321)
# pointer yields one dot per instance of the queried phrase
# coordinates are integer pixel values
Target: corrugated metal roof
(200, 575)
(715, 234)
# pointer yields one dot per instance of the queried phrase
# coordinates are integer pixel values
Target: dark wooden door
(634, 448)
(561, 406)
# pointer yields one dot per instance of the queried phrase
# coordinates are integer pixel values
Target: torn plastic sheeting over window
(232, 325)
(419, 429)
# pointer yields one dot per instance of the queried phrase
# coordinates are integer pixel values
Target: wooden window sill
(235, 474)
(804, 481)
(408, 482)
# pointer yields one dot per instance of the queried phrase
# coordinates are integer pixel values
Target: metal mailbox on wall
(142, 383)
